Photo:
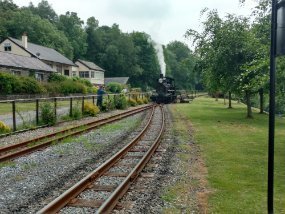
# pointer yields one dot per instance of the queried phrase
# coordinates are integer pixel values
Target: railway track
(101, 190)
(19, 149)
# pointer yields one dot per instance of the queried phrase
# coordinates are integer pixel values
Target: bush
(4, 128)
(114, 87)
(76, 112)
(11, 84)
(85, 82)
(120, 102)
(54, 77)
(90, 109)
(145, 100)
(29, 85)
(47, 113)
(70, 87)
(140, 101)
(132, 102)
(108, 105)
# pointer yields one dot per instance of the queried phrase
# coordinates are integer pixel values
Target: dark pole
(55, 106)
(70, 107)
(37, 111)
(14, 115)
(82, 107)
(270, 191)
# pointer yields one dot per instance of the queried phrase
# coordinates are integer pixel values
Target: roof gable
(43, 53)
(121, 80)
(24, 62)
(90, 65)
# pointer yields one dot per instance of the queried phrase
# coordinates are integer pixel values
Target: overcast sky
(164, 20)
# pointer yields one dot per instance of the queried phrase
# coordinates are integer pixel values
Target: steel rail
(113, 199)
(79, 187)
(83, 128)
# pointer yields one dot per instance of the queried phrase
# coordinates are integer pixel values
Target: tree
(71, 25)
(44, 10)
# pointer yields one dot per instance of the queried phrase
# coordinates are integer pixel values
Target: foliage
(114, 87)
(120, 102)
(108, 105)
(76, 111)
(145, 100)
(4, 128)
(180, 64)
(11, 84)
(140, 101)
(132, 102)
(70, 87)
(55, 77)
(90, 109)
(47, 113)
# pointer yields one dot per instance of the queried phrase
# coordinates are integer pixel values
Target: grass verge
(235, 151)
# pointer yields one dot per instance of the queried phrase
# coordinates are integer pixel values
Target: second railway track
(101, 190)
(16, 150)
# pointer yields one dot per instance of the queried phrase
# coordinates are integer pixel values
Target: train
(165, 91)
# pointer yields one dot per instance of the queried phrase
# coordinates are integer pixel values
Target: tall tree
(71, 25)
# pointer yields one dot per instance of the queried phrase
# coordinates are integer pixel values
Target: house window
(58, 68)
(7, 47)
(84, 74)
(74, 73)
(66, 72)
(92, 74)
(15, 72)
(39, 76)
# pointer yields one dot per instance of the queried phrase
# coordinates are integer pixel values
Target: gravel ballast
(30, 182)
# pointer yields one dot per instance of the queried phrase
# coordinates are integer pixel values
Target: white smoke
(159, 52)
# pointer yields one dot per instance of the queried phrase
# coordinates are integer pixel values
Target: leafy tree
(71, 25)
(44, 10)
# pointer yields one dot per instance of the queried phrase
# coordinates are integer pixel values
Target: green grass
(6, 108)
(235, 151)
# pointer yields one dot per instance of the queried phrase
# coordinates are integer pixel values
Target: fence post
(55, 106)
(129, 96)
(37, 111)
(93, 99)
(82, 107)
(14, 115)
(70, 107)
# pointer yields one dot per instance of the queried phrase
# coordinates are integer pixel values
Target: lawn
(234, 149)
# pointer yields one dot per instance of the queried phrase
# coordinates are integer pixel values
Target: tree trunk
(248, 104)
(216, 95)
(230, 99)
(261, 99)
(224, 98)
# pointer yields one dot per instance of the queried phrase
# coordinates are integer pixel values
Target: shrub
(108, 105)
(145, 100)
(85, 82)
(4, 128)
(92, 90)
(70, 87)
(90, 109)
(114, 87)
(76, 112)
(140, 101)
(54, 77)
(29, 85)
(120, 102)
(47, 113)
(9, 83)
(132, 102)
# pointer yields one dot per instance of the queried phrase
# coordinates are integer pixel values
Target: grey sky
(164, 20)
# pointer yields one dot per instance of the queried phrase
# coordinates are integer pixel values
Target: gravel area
(146, 194)
(30, 182)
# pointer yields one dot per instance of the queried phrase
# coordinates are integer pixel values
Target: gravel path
(32, 181)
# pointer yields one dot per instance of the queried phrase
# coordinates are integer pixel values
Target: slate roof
(17, 61)
(121, 80)
(43, 53)
(90, 65)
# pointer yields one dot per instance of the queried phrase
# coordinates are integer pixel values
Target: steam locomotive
(165, 90)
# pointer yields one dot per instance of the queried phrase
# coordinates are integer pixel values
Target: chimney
(25, 40)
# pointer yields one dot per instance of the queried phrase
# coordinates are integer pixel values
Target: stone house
(24, 66)
(49, 56)
(90, 71)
